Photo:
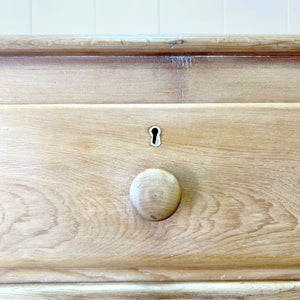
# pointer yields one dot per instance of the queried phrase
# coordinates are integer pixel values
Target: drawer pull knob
(155, 194)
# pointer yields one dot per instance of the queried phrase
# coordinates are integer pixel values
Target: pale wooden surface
(150, 45)
(155, 290)
(164, 79)
(53, 275)
(66, 172)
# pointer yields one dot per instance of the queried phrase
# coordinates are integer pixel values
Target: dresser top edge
(140, 45)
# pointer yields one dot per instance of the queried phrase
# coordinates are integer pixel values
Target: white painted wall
(149, 16)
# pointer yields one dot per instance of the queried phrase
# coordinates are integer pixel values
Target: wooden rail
(149, 45)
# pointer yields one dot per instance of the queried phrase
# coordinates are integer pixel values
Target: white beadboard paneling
(191, 16)
(255, 16)
(15, 17)
(294, 17)
(62, 17)
(127, 17)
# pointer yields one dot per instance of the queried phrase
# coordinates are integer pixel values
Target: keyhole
(154, 132)
(154, 135)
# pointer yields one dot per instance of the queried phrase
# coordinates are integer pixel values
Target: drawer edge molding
(73, 275)
(157, 290)
(163, 106)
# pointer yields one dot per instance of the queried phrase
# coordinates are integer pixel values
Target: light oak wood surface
(162, 79)
(155, 290)
(66, 171)
(66, 220)
(150, 45)
(95, 274)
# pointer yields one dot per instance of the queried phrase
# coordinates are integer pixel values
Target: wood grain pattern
(168, 79)
(66, 172)
(150, 45)
(121, 274)
(155, 290)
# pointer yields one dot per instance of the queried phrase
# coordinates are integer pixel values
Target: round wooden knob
(155, 194)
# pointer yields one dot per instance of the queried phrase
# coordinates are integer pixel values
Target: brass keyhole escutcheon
(155, 139)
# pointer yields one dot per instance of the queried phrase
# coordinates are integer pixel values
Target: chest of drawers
(75, 115)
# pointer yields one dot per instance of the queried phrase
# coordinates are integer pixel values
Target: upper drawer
(66, 172)
(151, 79)
(149, 69)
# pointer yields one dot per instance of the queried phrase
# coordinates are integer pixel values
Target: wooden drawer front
(66, 171)
(153, 79)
